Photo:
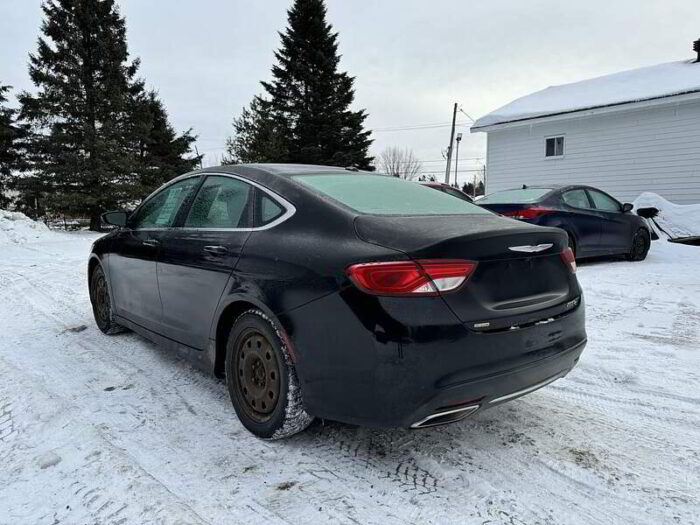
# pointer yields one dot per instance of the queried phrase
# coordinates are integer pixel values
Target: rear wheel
(261, 379)
(640, 246)
(572, 244)
(102, 303)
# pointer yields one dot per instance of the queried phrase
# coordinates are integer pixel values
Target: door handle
(216, 250)
(151, 242)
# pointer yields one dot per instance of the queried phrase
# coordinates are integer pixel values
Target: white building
(625, 133)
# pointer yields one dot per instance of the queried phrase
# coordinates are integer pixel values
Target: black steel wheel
(101, 303)
(640, 246)
(258, 374)
(261, 378)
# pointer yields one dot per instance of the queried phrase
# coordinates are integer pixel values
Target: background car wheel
(572, 244)
(102, 303)
(640, 246)
(261, 378)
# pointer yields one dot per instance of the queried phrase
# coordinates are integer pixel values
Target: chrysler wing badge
(531, 248)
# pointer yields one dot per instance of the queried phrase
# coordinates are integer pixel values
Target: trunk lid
(511, 285)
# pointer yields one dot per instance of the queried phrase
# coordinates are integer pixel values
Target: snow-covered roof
(636, 85)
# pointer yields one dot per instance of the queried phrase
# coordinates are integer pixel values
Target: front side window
(383, 195)
(161, 210)
(554, 146)
(222, 202)
(604, 202)
(577, 199)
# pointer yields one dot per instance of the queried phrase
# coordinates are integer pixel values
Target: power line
(458, 171)
(418, 127)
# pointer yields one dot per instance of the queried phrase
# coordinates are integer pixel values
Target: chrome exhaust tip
(446, 416)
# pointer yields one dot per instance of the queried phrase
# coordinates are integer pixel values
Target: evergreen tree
(256, 138)
(88, 138)
(10, 135)
(306, 112)
(161, 153)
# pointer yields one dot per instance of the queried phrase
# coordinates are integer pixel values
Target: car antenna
(524, 186)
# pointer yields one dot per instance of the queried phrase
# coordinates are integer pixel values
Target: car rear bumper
(492, 391)
(419, 369)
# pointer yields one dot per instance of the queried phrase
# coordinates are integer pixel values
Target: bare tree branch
(400, 163)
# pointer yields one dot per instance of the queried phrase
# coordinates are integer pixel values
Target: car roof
(284, 169)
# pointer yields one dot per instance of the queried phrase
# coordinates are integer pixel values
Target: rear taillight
(424, 277)
(528, 213)
(569, 259)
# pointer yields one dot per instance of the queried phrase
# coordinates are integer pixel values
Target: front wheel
(102, 303)
(261, 378)
(640, 246)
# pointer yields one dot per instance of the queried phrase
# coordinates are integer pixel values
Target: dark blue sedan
(596, 223)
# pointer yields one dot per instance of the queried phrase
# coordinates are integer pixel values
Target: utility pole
(449, 148)
(459, 139)
(196, 151)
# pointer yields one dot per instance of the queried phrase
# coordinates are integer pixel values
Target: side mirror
(115, 218)
(627, 207)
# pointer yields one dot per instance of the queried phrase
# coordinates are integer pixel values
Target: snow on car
(117, 430)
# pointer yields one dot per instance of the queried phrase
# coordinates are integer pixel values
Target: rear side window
(269, 210)
(577, 199)
(382, 195)
(515, 196)
(222, 202)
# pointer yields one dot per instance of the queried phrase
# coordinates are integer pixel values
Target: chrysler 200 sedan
(321, 292)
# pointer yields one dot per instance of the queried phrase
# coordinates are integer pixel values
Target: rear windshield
(383, 195)
(515, 196)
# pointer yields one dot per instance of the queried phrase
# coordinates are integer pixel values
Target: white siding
(624, 153)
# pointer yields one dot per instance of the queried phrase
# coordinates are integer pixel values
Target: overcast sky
(412, 59)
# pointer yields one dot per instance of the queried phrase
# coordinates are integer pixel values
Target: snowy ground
(97, 429)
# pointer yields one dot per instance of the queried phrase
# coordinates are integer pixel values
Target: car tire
(262, 380)
(102, 303)
(640, 246)
(572, 243)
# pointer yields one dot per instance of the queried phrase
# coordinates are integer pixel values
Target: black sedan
(596, 223)
(324, 292)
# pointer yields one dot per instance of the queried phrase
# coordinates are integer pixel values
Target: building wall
(625, 153)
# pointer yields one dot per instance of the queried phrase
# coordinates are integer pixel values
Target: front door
(198, 257)
(615, 235)
(132, 265)
(583, 220)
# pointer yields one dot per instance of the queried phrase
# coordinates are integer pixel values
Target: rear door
(198, 256)
(615, 235)
(132, 264)
(584, 221)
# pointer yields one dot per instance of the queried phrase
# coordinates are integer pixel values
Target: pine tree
(86, 147)
(256, 138)
(306, 111)
(10, 135)
(161, 153)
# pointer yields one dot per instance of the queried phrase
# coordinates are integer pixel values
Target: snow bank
(677, 220)
(635, 85)
(17, 228)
